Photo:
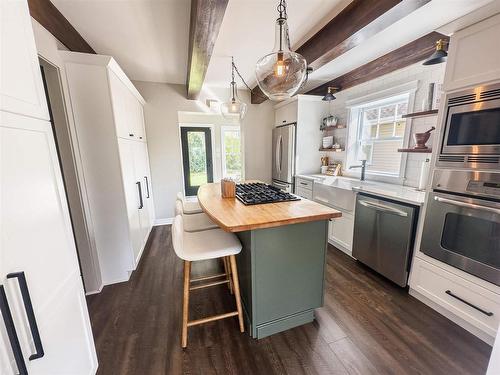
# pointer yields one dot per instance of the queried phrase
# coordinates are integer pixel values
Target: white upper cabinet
(473, 58)
(21, 88)
(286, 113)
(127, 109)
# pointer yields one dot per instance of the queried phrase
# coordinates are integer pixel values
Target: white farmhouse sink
(336, 193)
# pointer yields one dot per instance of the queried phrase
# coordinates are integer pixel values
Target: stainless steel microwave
(471, 135)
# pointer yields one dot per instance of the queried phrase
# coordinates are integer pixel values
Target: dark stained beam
(357, 22)
(206, 19)
(402, 57)
(49, 17)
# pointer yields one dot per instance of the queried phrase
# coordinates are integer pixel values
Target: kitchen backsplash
(417, 72)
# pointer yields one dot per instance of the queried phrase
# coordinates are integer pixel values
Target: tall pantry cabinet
(44, 322)
(109, 126)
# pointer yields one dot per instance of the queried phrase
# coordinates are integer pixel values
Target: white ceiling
(247, 33)
(148, 38)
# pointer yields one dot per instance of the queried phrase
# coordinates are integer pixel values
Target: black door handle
(11, 332)
(147, 186)
(141, 203)
(23, 285)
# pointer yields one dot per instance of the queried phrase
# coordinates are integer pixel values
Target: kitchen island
(281, 267)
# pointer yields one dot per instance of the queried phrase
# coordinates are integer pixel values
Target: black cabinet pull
(11, 332)
(487, 313)
(147, 186)
(131, 135)
(141, 203)
(23, 285)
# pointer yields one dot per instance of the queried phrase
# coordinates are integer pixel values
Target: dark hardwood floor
(367, 326)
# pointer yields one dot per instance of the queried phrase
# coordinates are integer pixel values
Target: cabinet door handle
(28, 307)
(11, 332)
(131, 135)
(487, 313)
(304, 183)
(147, 186)
(141, 203)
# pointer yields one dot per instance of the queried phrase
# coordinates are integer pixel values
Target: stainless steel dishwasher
(384, 233)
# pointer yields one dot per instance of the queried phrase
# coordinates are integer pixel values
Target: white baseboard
(91, 292)
(341, 247)
(166, 221)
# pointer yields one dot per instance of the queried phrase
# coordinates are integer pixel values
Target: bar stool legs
(236, 284)
(227, 270)
(185, 304)
(231, 274)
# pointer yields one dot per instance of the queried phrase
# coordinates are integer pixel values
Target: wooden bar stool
(194, 222)
(189, 207)
(196, 246)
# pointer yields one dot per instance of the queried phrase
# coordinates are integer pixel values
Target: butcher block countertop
(233, 216)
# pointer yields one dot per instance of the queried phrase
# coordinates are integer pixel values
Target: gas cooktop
(259, 193)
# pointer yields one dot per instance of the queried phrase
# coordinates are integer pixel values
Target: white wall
(417, 72)
(163, 102)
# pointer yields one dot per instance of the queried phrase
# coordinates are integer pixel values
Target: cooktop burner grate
(259, 193)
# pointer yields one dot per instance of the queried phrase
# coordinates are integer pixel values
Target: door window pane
(231, 158)
(197, 158)
(472, 237)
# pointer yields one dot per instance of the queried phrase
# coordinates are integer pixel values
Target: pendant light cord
(235, 69)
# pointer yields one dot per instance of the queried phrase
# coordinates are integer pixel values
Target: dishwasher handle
(383, 208)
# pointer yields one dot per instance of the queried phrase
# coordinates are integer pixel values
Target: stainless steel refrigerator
(284, 156)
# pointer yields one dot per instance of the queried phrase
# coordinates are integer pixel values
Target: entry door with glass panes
(196, 158)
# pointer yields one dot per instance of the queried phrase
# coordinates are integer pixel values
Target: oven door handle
(467, 205)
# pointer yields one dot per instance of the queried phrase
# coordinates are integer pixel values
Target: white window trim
(224, 128)
(354, 106)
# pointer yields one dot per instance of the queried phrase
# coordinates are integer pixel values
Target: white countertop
(397, 192)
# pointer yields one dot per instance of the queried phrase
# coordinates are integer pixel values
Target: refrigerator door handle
(281, 153)
(277, 156)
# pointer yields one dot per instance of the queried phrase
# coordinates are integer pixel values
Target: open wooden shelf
(431, 112)
(331, 149)
(420, 150)
(334, 127)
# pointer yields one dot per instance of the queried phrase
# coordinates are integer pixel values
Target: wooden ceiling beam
(50, 18)
(206, 19)
(356, 23)
(409, 54)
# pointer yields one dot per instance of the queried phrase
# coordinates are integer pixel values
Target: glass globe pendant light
(281, 73)
(234, 107)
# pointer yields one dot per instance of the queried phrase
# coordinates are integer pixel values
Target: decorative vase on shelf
(331, 120)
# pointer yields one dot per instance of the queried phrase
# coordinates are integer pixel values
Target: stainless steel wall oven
(462, 222)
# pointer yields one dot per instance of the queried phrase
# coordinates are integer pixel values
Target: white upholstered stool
(194, 222)
(189, 207)
(209, 244)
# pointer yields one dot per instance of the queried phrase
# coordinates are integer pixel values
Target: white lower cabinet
(37, 242)
(341, 230)
(304, 193)
(136, 182)
(471, 302)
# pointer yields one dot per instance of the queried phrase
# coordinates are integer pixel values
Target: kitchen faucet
(363, 168)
